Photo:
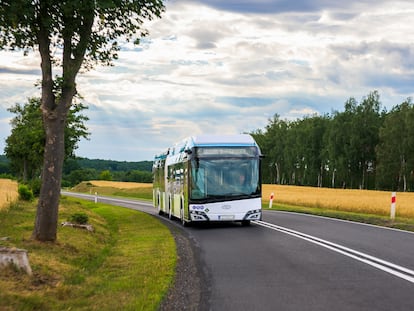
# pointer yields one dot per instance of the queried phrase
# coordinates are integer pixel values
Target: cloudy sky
(228, 66)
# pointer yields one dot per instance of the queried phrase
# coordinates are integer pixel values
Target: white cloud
(229, 66)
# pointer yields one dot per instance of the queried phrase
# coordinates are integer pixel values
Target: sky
(227, 67)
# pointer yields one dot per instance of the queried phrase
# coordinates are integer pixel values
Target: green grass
(143, 193)
(138, 193)
(374, 219)
(127, 263)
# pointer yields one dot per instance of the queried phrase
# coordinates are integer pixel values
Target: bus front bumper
(203, 216)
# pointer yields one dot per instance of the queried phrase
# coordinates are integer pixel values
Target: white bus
(209, 178)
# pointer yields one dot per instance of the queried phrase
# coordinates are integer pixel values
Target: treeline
(102, 165)
(5, 168)
(363, 147)
(76, 170)
(82, 169)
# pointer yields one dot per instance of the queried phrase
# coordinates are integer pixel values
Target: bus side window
(198, 184)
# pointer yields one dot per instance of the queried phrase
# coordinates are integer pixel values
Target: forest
(363, 147)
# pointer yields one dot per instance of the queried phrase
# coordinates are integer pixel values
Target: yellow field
(8, 192)
(366, 201)
(119, 184)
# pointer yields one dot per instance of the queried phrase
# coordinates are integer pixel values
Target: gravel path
(191, 288)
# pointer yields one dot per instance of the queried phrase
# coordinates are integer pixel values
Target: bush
(25, 193)
(35, 185)
(66, 183)
(79, 218)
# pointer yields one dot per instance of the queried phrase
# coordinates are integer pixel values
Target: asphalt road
(291, 261)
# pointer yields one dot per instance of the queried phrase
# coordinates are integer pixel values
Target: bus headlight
(255, 214)
(198, 215)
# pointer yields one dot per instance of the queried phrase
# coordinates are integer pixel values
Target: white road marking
(396, 270)
(342, 220)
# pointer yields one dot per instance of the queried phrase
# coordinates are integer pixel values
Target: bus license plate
(226, 217)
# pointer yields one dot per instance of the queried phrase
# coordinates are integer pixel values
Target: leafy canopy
(23, 24)
(25, 145)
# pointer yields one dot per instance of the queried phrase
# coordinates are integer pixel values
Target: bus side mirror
(188, 151)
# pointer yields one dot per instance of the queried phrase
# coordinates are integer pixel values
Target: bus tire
(170, 208)
(160, 211)
(169, 213)
(183, 221)
(245, 223)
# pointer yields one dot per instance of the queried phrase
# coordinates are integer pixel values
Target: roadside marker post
(96, 197)
(271, 200)
(393, 204)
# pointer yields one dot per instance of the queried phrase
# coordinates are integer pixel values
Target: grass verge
(127, 263)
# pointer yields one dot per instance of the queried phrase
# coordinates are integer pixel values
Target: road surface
(292, 261)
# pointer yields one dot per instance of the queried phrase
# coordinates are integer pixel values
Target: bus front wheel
(245, 223)
(183, 222)
(170, 208)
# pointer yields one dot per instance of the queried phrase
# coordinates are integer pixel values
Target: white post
(96, 197)
(271, 200)
(393, 203)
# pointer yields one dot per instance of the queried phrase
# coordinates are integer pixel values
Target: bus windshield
(228, 178)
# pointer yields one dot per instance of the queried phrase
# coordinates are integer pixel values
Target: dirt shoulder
(191, 288)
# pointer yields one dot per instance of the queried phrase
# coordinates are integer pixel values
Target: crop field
(116, 188)
(119, 184)
(350, 200)
(8, 192)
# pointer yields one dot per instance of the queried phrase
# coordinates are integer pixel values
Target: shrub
(79, 218)
(25, 193)
(35, 185)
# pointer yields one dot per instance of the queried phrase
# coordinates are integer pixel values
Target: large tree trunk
(54, 119)
(47, 210)
(54, 122)
(55, 113)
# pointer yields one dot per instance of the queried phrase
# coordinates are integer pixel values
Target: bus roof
(241, 140)
(221, 140)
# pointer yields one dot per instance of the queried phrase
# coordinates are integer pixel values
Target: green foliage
(25, 145)
(395, 151)
(79, 175)
(111, 165)
(138, 176)
(20, 19)
(105, 175)
(79, 218)
(361, 147)
(7, 176)
(25, 193)
(35, 185)
(4, 165)
(77, 170)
